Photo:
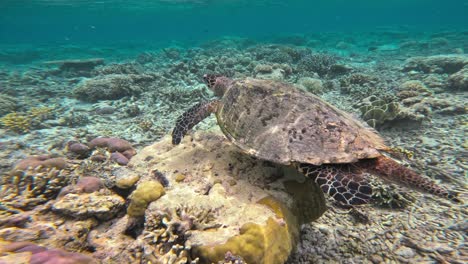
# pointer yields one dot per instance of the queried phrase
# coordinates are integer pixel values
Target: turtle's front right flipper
(192, 117)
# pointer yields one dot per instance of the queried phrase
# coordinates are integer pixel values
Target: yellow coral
(408, 153)
(40, 113)
(16, 121)
(21, 122)
(270, 243)
(145, 193)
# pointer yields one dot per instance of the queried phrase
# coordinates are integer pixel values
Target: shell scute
(285, 125)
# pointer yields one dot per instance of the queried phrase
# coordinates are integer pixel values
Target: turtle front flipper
(192, 117)
(344, 183)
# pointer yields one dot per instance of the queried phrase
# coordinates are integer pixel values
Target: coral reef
(213, 194)
(112, 86)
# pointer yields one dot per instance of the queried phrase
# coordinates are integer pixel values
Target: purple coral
(43, 255)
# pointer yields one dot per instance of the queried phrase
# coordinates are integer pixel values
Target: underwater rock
(227, 201)
(459, 80)
(85, 205)
(76, 65)
(436, 64)
(111, 87)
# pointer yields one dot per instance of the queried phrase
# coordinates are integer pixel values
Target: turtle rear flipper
(343, 183)
(192, 117)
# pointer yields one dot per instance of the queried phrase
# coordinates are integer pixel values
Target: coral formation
(200, 216)
(459, 80)
(85, 205)
(319, 63)
(17, 122)
(8, 104)
(376, 111)
(112, 86)
(33, 181)
(145, 193)
(24, 122)
(436, 64)
(312, 85)
(81, 67)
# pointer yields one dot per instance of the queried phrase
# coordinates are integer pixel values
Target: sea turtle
(274, 121)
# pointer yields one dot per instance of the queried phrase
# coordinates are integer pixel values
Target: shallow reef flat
(89, 172)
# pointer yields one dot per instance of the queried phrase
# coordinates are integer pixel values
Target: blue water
(165, 21)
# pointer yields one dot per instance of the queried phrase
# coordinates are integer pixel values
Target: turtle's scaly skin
(274, 121)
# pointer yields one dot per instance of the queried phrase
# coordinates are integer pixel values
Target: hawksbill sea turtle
(274, 121)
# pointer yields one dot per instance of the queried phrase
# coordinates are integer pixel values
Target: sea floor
(411, 87)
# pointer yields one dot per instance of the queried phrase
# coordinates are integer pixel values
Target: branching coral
(168, 232)
(33, 186)
(17, 122)
(318, 62)
(23, 122)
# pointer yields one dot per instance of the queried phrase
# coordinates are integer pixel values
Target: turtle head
(217, 83)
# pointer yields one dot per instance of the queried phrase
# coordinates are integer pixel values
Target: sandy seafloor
(138, 91)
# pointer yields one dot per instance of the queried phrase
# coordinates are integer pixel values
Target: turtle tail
(192, 117)
(393, 171)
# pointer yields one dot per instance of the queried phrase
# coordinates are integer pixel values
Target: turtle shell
(275, 121)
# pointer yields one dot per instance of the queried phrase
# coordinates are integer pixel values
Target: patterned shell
(275, 121)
